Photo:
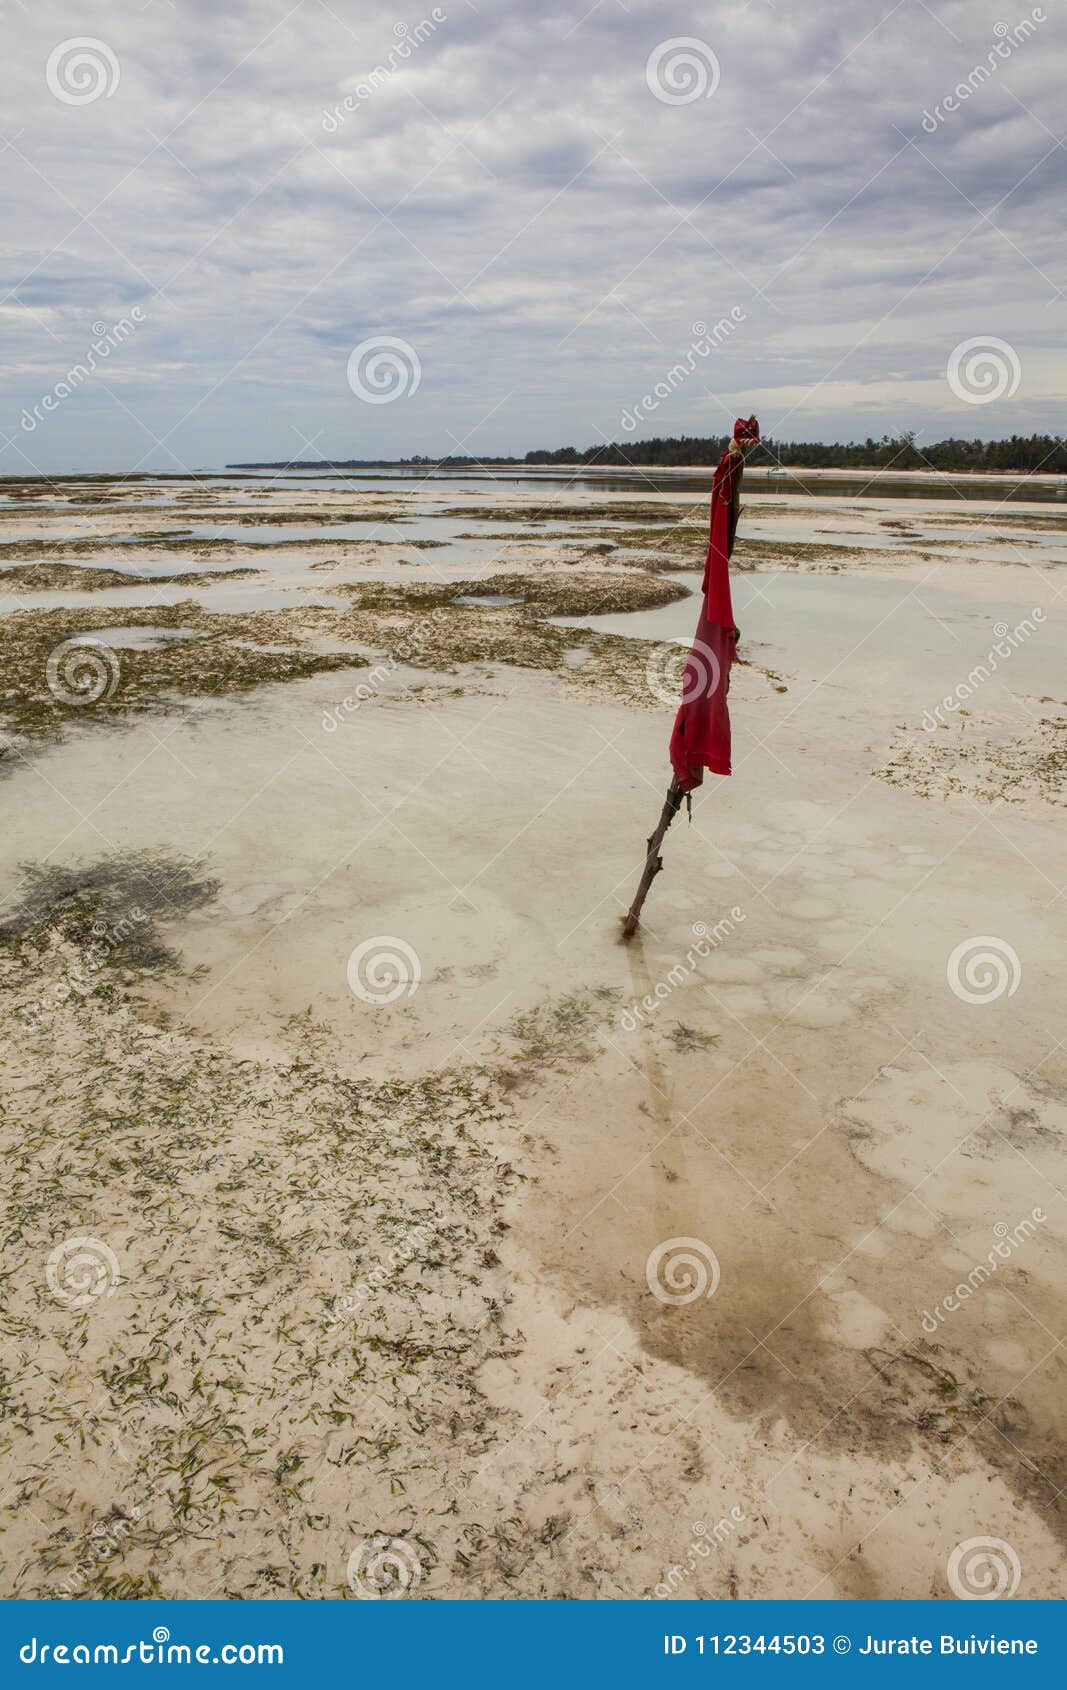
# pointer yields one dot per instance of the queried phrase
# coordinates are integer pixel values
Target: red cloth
(701, 737)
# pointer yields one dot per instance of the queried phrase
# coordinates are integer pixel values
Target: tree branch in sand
(653, 860)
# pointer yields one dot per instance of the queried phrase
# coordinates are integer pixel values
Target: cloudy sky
(542, 208)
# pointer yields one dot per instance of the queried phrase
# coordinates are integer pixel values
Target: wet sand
(384, 1251)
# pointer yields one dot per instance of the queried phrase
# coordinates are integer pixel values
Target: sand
(370, 1297)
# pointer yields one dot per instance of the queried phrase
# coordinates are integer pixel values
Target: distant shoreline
(897, 457)
(517, 465)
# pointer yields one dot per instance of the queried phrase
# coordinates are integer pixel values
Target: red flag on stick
(701, 737)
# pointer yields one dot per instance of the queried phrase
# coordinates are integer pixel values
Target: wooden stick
(653, 860)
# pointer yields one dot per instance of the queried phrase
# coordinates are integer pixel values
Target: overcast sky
(537, 201)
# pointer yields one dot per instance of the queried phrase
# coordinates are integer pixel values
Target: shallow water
(497, 829)
(221, 600)
(492, 601)
(908, 634)
(648, 478)
(444, 530)
(137, 637)
(279, 533)
(896, 634)
(983, 545)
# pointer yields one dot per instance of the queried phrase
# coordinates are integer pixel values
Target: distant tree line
(1022, 453)
(1045, 452)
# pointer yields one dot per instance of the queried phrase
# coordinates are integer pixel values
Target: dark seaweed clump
(112, 906)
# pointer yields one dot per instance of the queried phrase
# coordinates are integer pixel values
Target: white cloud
(515, 203)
